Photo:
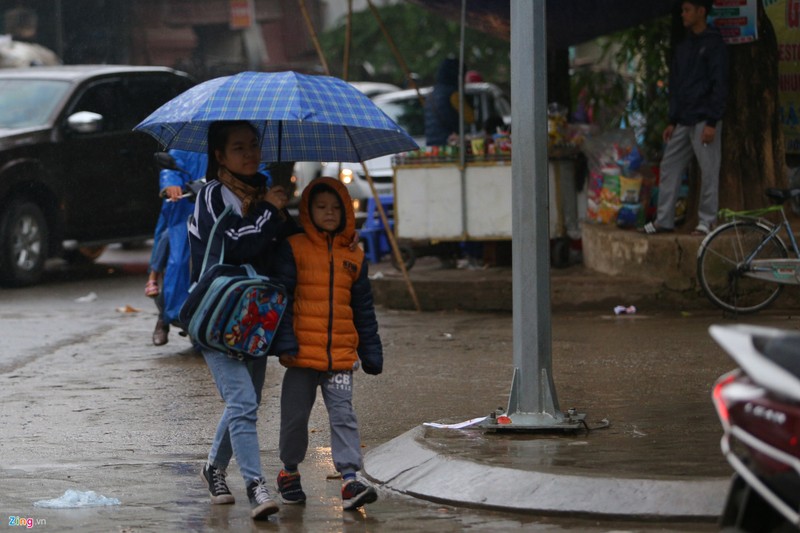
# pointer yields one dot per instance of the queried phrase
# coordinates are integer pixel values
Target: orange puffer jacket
(331, 311)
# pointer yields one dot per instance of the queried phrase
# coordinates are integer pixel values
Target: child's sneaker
(261, 503)
(289, 488)
(217, 487)
(355, 494)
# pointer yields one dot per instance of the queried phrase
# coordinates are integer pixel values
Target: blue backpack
(231, 308)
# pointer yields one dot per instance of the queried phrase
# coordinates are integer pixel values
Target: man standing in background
(698, 91)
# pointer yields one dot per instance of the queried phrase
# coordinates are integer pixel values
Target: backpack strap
(228, 209)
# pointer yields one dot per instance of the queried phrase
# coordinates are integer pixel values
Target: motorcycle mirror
(166, 161)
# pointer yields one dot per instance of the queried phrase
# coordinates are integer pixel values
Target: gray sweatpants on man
(298, 393)
(685, 140)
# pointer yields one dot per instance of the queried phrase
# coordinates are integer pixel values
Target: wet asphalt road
(89, 403)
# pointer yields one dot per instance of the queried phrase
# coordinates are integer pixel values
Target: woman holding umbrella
(299, 118)
(250, 232)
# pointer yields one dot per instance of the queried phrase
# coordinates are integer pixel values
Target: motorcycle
(758, 405)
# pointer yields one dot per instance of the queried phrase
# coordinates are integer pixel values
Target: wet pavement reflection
(97, 407)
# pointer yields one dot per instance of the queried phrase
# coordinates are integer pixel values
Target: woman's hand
(277, 196)
(287, 360)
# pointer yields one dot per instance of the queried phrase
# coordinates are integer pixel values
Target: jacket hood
(343, 237)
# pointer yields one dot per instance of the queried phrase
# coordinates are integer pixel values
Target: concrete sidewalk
(619, 267)
(452, 469)
(472, 467)
(575, 288)
(658, 459)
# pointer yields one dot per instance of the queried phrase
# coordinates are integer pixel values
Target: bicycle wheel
(721, 273)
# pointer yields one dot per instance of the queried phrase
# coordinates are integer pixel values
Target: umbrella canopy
(299, 117)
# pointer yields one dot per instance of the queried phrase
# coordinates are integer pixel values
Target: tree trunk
(753, 154)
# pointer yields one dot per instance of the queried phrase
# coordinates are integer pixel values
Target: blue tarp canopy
(569, 22)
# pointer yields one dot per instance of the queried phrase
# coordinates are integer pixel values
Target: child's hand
(287, 360)
(354, 242)
(372, 370)
(173, 193)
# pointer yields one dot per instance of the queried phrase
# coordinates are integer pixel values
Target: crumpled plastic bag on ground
(459, 425)
(74, 499)
(92, 296)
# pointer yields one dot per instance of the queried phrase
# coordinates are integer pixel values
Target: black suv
(73, 174)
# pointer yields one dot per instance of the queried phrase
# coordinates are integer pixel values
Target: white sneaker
(261, 502)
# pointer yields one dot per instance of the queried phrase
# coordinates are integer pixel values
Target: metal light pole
(532, 405)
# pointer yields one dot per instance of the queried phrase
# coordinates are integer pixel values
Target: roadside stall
(436, 200)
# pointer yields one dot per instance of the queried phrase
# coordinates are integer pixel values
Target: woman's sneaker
(261, 503)
(355, 494)
(217, 487)
(289, 488)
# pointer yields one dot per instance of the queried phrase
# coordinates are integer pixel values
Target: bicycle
(744, 264)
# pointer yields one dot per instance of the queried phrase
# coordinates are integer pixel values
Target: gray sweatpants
(298, 393)
(685, 140)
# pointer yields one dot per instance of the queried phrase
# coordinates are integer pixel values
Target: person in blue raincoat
(169, 261)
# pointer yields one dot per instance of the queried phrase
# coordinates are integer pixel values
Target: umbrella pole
(462, 149)
(313, 34)
(390, 234)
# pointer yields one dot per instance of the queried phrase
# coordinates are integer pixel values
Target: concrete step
(620, 267)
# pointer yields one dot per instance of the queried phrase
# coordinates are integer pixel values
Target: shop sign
(785, 18)
(736, 20)
(243, 14)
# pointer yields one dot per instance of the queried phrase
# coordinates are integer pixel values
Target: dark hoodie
(698, 81)
(441, 119)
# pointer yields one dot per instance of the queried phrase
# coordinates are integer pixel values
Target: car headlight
(346, 176)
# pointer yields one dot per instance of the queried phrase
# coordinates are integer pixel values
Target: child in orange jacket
(328, 331)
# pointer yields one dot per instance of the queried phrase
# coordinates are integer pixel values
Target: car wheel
(84, 255)
(23, 243)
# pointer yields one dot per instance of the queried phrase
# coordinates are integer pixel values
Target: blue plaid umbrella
(299, 117)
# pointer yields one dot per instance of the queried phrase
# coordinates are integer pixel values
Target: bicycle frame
(785, 271)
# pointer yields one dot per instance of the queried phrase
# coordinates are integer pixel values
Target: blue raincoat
(172, 225)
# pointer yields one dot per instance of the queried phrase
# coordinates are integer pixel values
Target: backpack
(231, 308)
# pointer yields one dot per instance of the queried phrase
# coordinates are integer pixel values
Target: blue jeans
(239, 383)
